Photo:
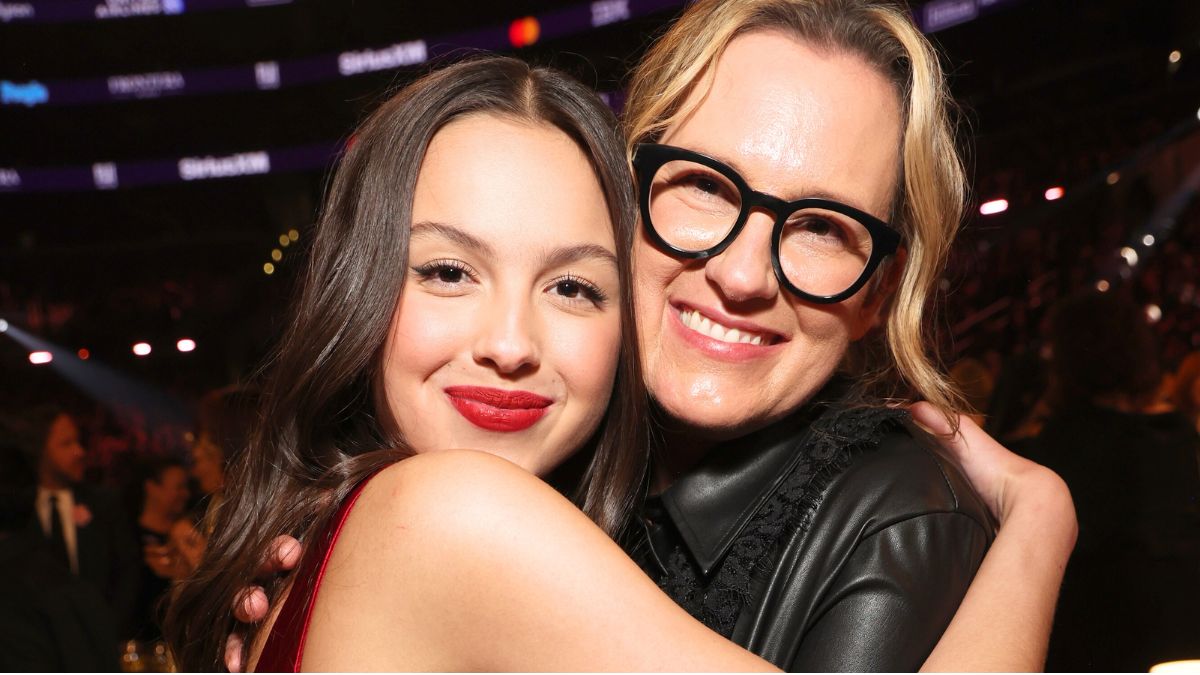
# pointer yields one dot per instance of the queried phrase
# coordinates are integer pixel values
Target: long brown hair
(323, 420)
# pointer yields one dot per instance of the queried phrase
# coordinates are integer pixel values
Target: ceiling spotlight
(186, 345)
(40, 358)
(276, 255)
(993, 207)
(1174, 56)
(293, 234)
(284, 240)
(1113, 178)
(1130, 256)
(1148, 240)
(3, 326)
(268, 268)
(1154, 313)
(142, 349)
(1102, 286)
(1054, 193)
(84, 354)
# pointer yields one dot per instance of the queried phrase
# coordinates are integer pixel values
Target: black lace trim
(837, 436)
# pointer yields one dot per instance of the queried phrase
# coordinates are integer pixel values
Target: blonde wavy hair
(931, 193)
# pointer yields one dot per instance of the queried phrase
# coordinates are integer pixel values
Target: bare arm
(1003, 623)
(459, 560)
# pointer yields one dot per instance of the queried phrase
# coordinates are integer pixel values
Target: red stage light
(524, 32)
(1054, 193)
(84, 354)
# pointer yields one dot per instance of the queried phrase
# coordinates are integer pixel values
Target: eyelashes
(572, 287)
(449, 274)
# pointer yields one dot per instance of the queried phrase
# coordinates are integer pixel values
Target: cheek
(585, 354)
(418, 345)
(653, 273)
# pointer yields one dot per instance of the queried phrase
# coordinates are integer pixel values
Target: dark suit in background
(107, 553)
(49, 619)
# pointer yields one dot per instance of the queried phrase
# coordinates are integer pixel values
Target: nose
(507, 339)
(743, 271)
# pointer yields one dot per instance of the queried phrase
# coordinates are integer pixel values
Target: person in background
(164, 487)
(49, 619)
(1131, 590)
(83, 526)
(1185, 393)
(222, 431)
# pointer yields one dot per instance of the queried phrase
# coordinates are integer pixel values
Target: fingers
(283, 555)
(250, 605)
(932, 420)
(233, 653)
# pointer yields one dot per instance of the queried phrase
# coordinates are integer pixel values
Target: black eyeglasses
(694, 206)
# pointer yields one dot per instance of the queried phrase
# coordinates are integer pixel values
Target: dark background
(1054, 93)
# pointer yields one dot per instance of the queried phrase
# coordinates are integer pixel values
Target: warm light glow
(40, 358)
(141, 349)
(1113, 178)
(1148, 240)
(294, 235)
(1130, 256)
(284, 240)
(84, 354)
(1154, 313)
(1190, 666)
(993, 207)
(186, 345)
(524, 32)
(268, 268)
(276, 255)
(1174, 56)
(1054, 193)
(1102, 286)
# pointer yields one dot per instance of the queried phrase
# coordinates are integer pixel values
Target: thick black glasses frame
(648, 159)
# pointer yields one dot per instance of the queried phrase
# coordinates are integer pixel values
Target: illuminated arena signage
(370, 60)
(145, 85)
(27, 94)
(120, 9)
(13, 11)
(241, 164)
(605, 12)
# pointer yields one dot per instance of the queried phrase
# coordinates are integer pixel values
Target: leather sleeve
(894, 596)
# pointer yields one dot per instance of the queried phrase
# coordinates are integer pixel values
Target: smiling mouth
(709, 328)
(498, 409)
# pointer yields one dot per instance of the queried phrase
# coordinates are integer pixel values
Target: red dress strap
(284, 649)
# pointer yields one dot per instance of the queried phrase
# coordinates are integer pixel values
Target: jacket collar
(713, 502)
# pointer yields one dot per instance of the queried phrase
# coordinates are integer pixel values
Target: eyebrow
(570, 254)
(464, 239)
(560, 256)
(807, 194)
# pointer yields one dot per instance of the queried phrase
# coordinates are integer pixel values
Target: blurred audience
(1185, 389)
(82, 525)
(1133, 586)
(225, 421)
(163, 485)
(50, 620)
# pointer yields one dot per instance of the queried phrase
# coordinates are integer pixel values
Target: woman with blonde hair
(798, 191)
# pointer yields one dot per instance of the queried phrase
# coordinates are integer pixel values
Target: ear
(879, 294)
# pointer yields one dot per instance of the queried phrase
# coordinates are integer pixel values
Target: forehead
(796, 121)
(509, 182)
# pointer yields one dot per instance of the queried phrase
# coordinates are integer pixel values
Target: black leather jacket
(840, 543)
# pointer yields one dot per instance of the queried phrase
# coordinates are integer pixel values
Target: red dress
(284, 649)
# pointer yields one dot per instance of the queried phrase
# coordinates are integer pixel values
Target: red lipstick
(498, 409)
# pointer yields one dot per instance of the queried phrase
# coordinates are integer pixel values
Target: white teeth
(705, 326)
